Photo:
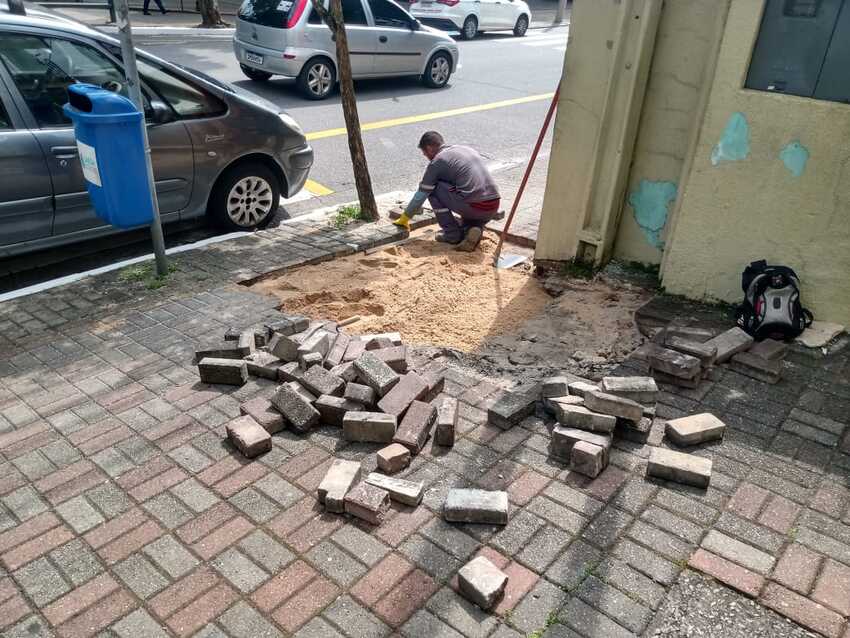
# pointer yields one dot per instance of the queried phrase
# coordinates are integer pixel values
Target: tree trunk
(362, 180)
(559, 15)
(210, 13)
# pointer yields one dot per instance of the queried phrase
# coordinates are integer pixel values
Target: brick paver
(123, 513)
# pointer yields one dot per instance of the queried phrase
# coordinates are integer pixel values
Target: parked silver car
(288, 38)
(215, 150)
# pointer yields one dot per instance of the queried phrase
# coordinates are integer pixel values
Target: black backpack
(771, 307)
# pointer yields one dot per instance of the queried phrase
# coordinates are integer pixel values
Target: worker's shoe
(443, 239)
(470, 242)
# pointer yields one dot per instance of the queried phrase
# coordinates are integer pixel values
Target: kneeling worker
(456, 181)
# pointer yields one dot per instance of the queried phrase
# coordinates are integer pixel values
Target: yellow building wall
(733, 212)
(584, 88)
(686, 38)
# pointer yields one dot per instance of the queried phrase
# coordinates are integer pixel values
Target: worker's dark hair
(430, 138)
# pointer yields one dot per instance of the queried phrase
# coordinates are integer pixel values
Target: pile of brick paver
(590, 416)
(362, 385)
(683, 355)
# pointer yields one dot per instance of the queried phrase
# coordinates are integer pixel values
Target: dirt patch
(587, 330)
(425, 290)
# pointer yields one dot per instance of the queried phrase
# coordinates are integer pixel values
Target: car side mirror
(414, 25)
(158, 112)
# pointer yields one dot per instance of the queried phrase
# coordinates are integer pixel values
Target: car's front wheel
(521, 26)
(245, 197)
(438, 71)
(317, 78)
(470, 28)
(255, 74)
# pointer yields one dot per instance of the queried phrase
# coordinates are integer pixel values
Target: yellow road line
(413, 119)
(316, 189)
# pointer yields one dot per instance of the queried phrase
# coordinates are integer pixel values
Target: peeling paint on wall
(650, 203)
(795, 156)
(734, 144)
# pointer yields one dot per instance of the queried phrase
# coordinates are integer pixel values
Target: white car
(473, 16)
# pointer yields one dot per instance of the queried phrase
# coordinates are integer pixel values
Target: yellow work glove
(403, 221)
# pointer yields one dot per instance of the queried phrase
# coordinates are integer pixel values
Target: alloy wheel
(249, 201)
(440, 70)
(319, 79)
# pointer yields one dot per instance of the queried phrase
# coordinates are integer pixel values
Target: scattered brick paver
(110, 449)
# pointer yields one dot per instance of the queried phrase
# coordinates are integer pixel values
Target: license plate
(253, 58)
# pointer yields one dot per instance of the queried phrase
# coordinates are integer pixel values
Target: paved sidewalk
(124, 513)
(179, 18)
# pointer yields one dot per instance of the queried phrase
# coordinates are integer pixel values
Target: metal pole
(111, 11)
(131, 75)
(527, 174)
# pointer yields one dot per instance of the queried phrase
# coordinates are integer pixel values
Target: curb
(194, 31)
(228, 32)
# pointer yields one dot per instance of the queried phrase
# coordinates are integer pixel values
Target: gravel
(698, 607)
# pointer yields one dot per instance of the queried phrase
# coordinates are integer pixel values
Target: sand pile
(428, 292)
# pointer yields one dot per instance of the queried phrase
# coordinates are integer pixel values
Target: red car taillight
(296, 14)
(448, 3)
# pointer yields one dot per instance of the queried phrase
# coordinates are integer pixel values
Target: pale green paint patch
(734, 144)
(795, 156)
(650, 202)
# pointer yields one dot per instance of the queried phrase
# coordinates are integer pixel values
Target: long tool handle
(530, 166)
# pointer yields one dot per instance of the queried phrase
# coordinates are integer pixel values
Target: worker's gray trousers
(445, 201)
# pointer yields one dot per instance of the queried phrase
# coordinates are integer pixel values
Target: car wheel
(521, 26)
(245, 197)
(255, 74)
(438, 71)
(470, 28)
(317, 79)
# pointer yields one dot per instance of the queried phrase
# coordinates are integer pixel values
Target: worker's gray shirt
(464, 169)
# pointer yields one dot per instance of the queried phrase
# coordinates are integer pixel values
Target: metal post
(111, 4)
(131, 75)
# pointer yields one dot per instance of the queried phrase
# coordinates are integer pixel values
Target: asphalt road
(494, 68)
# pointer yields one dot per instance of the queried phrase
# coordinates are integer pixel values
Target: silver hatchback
(215, 150)
(288, 38)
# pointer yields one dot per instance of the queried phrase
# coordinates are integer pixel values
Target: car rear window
(268, 13)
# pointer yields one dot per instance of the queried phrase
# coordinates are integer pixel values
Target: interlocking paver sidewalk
(124, 509)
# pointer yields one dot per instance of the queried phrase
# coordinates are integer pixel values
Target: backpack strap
(751, 272)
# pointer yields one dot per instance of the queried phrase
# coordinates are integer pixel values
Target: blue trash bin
(108, 128)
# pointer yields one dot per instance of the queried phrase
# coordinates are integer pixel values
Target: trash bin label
(88, 160)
